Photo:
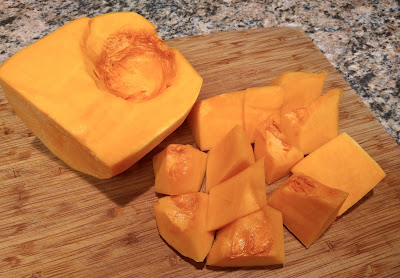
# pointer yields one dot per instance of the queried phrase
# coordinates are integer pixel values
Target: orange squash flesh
(259, 104)
(308, 206)
(98, 117)
(181, 221)
(342, 164)
(236, 197)
(252, 240)
(212, 118)
(280, 155)
(311, 126)
(179, 169)
(301, 88)
(229, 157)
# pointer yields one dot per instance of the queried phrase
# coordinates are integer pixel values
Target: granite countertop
(361, 39)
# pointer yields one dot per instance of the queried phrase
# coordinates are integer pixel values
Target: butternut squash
(308, 207)
(259, 104)
(342, 164)
(212, 118)
(181, 221)
(311, 126)
(179, 169)
(252, 240)
(236, 197)
(98, 91)
(229, 157)
(278, 152)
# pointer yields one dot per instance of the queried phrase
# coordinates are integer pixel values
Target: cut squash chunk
(212, 118)
(301, 88)
(343, 164)
(229, 157)
(240, 195)
(308, 206)
(280, 155)
(311, 126)
(179, 169)
(181, 221)
(259, 104)
(252, 240)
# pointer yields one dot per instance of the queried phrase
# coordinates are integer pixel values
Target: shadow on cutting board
(127, 186)
(173, 260)
(120, 189)
(135, 181)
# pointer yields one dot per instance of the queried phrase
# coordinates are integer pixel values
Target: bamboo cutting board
(56, 222)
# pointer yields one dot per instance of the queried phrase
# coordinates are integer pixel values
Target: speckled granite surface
(360, 38)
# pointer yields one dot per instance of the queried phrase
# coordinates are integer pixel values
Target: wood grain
(55, 222)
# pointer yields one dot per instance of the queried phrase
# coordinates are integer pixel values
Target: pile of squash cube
(294, 129)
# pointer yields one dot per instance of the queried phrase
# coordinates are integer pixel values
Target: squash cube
(342, 164)
(230, 156)
(301, 88)
(98, 92)
(212, 118)
(311, 126)
(179, 169)
(236, 197)
(308, 207)
(181, 221)
(259, 104)
(252, 240)
(279, 154)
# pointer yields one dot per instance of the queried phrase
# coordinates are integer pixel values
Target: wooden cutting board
(56, 222)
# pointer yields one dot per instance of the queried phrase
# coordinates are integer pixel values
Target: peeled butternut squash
(311, 126)
(181, 221)
(236, 197)
(212, 118)
(301, 88)
(252, 240)
(343, 164)
(279, 153)
(101, 92)
(179, 169)
(308, 207)
(259, 104)
(229, 157)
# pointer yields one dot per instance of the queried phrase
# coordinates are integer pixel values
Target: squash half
(101, 92)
